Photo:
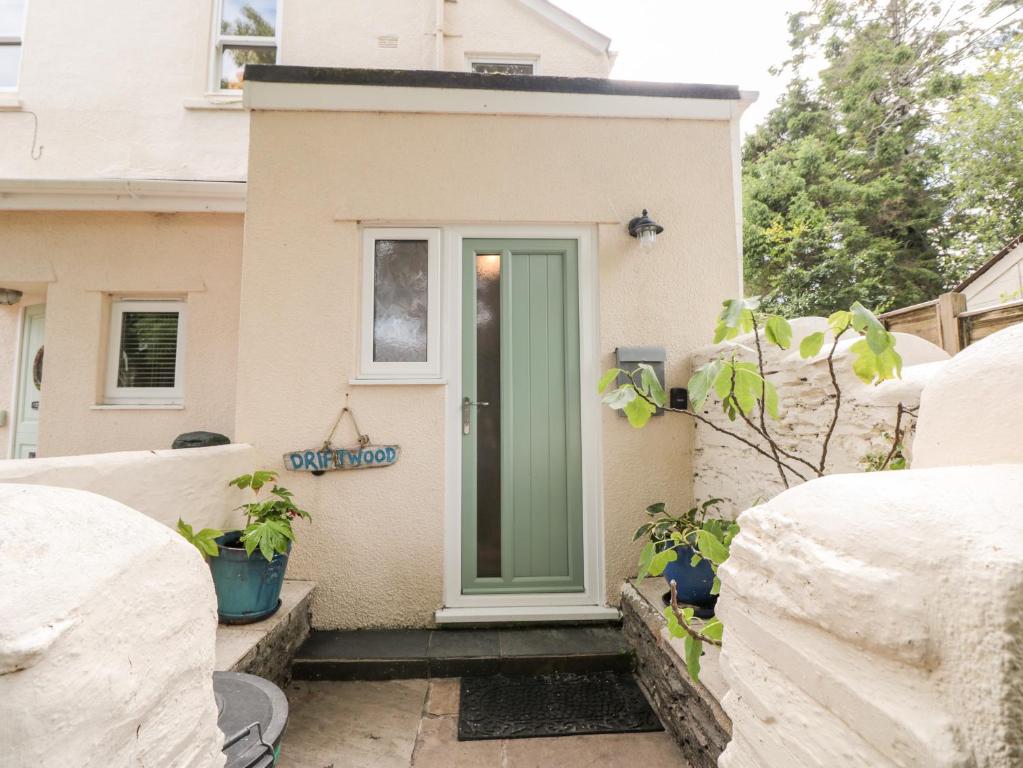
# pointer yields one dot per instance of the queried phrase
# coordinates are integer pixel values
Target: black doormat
(501, 707)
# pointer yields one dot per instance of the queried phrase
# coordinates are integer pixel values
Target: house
(998, 280)
(443, 250)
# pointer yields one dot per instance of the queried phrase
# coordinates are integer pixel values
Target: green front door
(522, 510)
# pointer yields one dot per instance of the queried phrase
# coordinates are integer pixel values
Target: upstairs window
(12, 22)
(247, 33)
(503, 65)
(146, 352)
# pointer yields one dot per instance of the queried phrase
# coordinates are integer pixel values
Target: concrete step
(421, 653)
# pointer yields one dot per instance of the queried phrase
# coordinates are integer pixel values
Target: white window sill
(138, 407)
(496, 615)
(9, 101)
(215, 101)
(394, 382)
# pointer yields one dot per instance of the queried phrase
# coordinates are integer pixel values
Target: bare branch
(838, 402)
(760, 402)
(682, 622)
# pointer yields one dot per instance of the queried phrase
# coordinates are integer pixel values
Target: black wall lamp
(646, 229)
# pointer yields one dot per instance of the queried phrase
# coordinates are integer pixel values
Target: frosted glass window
(401, 281)
(400, 327)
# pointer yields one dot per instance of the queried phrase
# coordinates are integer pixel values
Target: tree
(982, 146)
(841, 202)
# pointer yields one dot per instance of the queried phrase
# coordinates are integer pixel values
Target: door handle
(467, 406)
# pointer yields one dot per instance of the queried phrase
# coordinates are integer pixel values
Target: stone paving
(403, 723)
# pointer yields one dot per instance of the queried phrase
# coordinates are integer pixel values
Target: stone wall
(107, 626)
(873, 619)
(725, 468)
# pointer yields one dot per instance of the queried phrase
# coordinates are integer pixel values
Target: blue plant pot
(248, 588)
(693, 584)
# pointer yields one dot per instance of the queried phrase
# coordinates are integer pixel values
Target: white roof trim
(569, 23)
(340, 97)
(154, 195)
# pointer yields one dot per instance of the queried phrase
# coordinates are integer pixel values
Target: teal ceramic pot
(248, 588)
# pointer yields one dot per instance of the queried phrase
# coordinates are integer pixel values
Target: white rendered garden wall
(724, 467)
(873, 620)
(189, 483)
(107, 633)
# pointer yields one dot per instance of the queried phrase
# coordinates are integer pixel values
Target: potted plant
(249, 585)
(674, 547)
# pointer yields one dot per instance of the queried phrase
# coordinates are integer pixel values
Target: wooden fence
(947, 323)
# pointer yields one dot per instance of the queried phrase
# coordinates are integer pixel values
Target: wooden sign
(360, 457)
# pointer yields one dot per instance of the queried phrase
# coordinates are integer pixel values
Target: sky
(732, 42)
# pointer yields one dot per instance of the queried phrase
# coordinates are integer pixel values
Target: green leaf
(646, 558)
(840, 321)
(711, 547)
(651, 384)
(713, 630)
(700, 383)
(639, 412)
(715, 588)
(693, 649)
(660, 561)
(695, 560)
(607, 378)
(770, 399)
(811, 345)
(656, 508)
(778, 331)
(617, 399)
(642, 531)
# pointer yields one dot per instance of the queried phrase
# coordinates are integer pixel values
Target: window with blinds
(145, 352)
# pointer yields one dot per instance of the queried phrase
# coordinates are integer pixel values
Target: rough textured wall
(80, 260)
(164, 485)
(375, 547)
(871, 621)
(969, 415)
(106, 638)
(725, 468)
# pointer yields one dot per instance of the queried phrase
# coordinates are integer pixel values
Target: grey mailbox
(629, 358)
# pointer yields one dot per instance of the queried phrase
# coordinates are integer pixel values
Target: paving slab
(362, 724)
(444, 696)
(438, 747)
(615, 750)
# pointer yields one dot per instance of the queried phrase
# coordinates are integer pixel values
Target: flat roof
(417, 78)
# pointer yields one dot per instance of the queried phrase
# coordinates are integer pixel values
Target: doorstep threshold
(525, 614)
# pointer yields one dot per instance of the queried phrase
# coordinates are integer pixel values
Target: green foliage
(845, 191)
(268, 520)
(204, 540)
(981, 141)
(711, 539)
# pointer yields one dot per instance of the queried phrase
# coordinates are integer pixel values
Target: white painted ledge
(515, 614)
(139, 407)
(153, 195)
(394, 382)
(9, 101)
(215, 101)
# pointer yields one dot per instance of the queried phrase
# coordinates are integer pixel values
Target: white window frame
(19, 41)
(429, 371)
(218, 41)
(502, 58)
(115, 395)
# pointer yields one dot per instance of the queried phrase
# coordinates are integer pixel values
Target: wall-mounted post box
(629, 358)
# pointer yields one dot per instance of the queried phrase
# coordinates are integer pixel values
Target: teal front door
(522, 515)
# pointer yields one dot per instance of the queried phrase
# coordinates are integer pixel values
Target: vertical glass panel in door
(400, 301)
(488, 421)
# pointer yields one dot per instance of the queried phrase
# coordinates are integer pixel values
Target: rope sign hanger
(327, 458)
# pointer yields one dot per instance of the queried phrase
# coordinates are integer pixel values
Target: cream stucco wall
(128, 100)
(79, 260)
(375, 546)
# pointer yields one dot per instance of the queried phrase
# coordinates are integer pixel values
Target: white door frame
(589, 603)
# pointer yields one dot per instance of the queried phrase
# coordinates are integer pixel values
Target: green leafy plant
(710, 538)
(743, 388)
(267, 520)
